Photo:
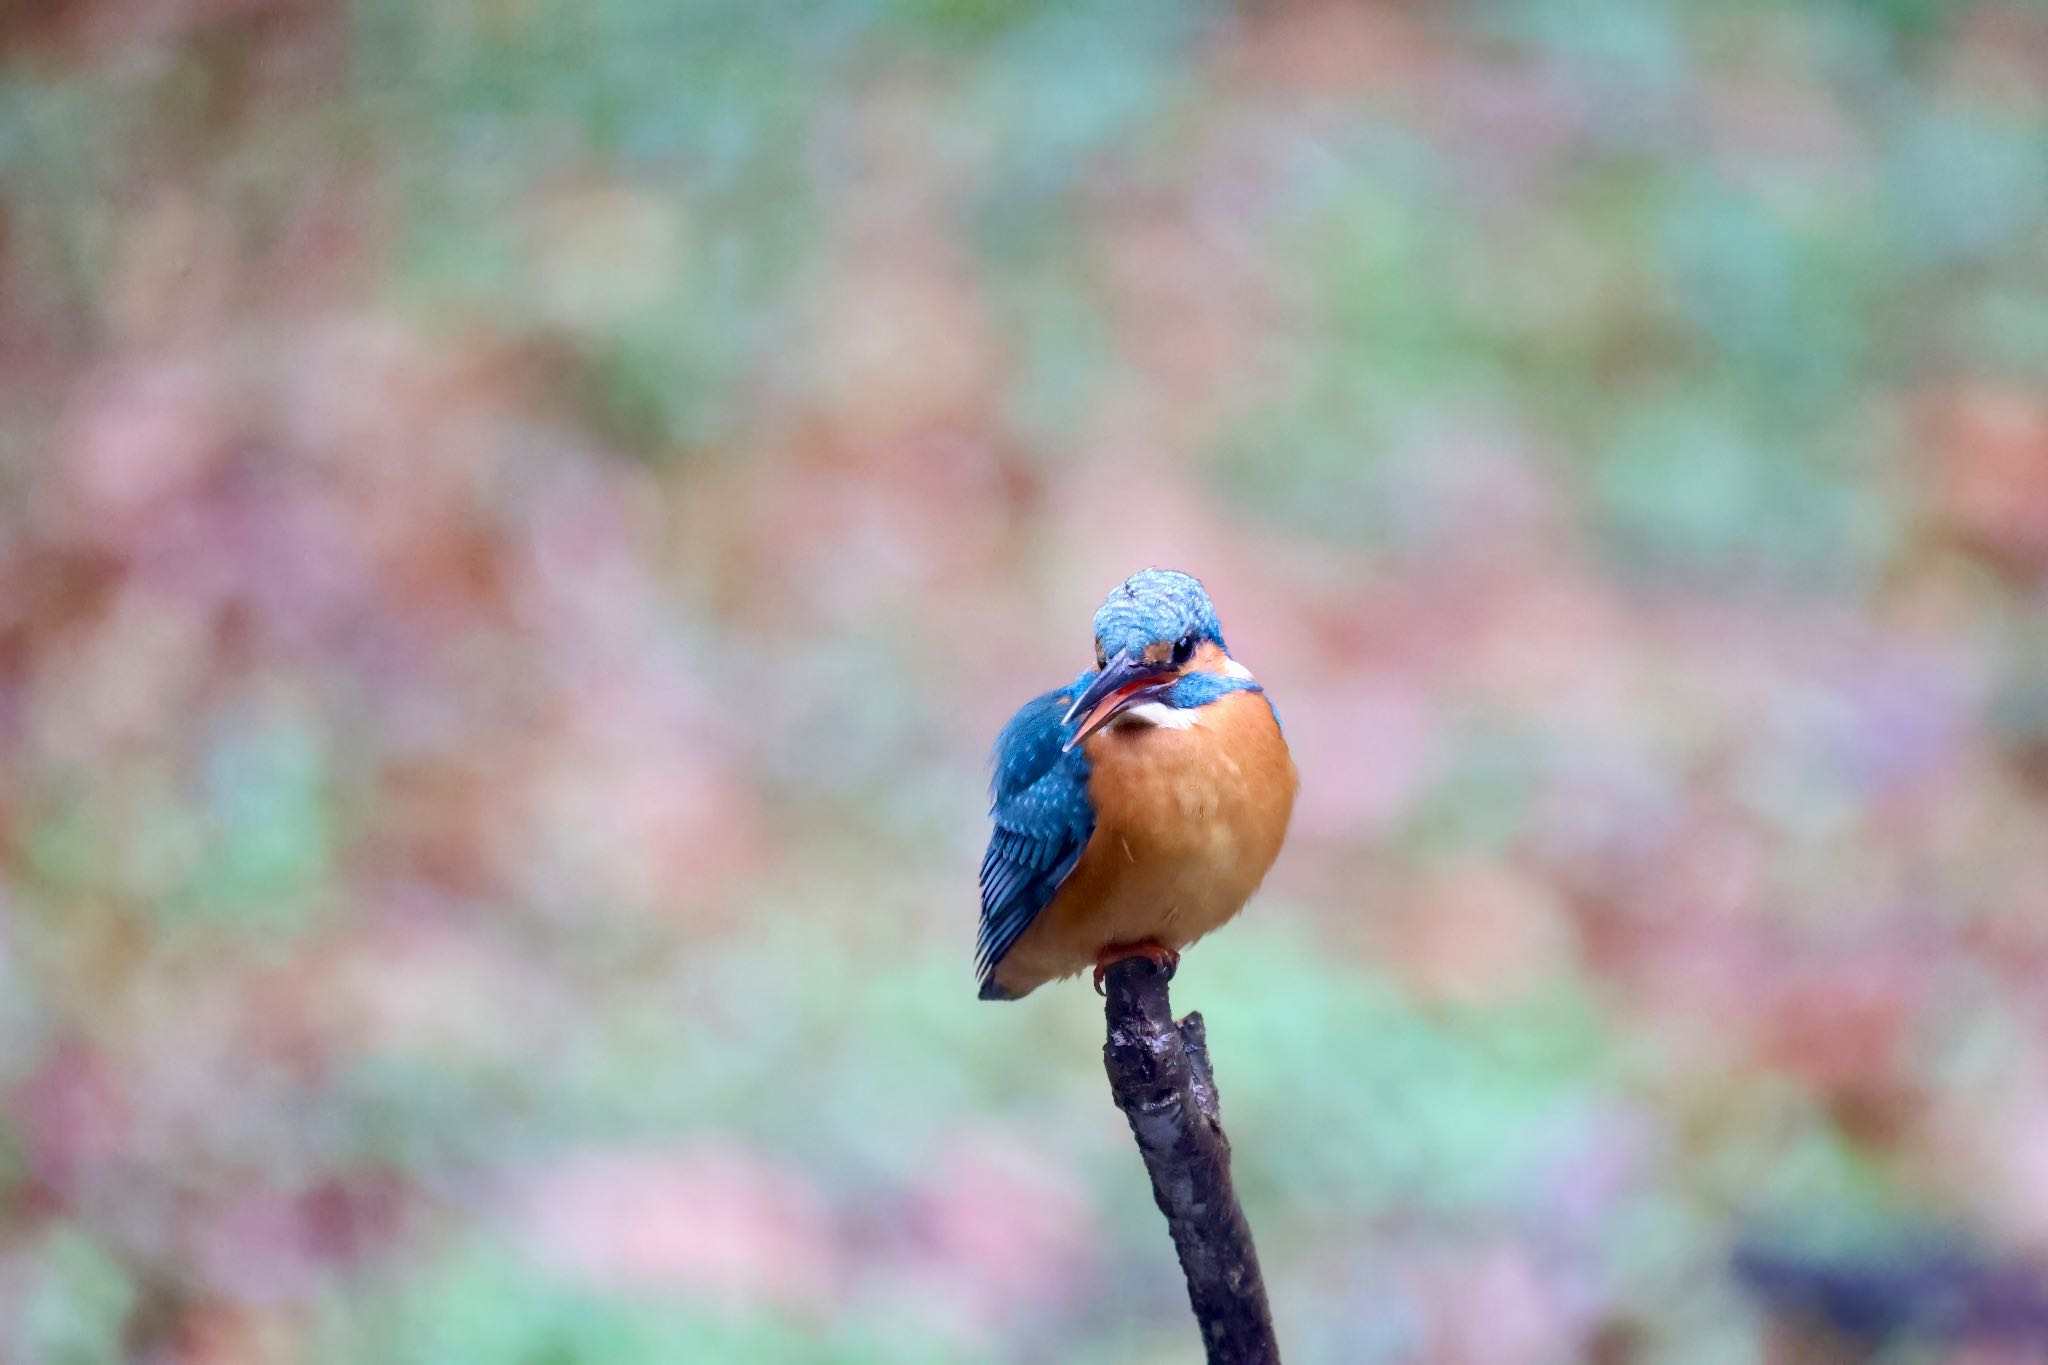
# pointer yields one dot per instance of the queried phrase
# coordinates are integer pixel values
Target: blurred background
(519, 520)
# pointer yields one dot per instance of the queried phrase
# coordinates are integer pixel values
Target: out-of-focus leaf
(76, 1307)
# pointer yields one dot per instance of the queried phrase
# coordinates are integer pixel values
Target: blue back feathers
(1042, 822)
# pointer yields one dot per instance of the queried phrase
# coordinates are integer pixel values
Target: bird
(1137, 808)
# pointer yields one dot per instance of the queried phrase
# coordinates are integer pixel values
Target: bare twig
(1160, 1075)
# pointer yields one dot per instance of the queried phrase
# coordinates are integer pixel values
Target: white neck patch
(1233, 669)
(1160, 714)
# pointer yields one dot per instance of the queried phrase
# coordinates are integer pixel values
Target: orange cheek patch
(1209, 658)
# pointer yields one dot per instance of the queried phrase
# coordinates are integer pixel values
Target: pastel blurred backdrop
(520, 518)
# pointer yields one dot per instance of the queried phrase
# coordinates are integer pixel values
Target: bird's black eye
(1101, 656)
(1185, 650)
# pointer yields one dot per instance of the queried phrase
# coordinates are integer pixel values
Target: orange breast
(1187, 822)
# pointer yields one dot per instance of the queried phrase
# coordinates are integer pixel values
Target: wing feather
(1042, 822)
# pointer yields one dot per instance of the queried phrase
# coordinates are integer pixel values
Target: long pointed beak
(1123, 682)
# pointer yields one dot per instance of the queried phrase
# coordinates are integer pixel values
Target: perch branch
(1160, 1075)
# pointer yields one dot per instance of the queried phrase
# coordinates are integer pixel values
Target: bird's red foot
(1162, 957)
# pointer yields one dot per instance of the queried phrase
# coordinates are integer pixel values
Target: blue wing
(1042, 822)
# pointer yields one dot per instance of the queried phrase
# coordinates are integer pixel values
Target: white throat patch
(1160, 714)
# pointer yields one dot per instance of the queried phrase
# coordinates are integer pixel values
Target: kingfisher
(1139, 807)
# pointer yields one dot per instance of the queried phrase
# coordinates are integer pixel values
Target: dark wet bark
(1159, 1073)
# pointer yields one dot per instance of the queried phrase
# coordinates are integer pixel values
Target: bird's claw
(1160, 956)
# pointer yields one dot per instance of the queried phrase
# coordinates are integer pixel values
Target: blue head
(1149, 632)
(1154, 614)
